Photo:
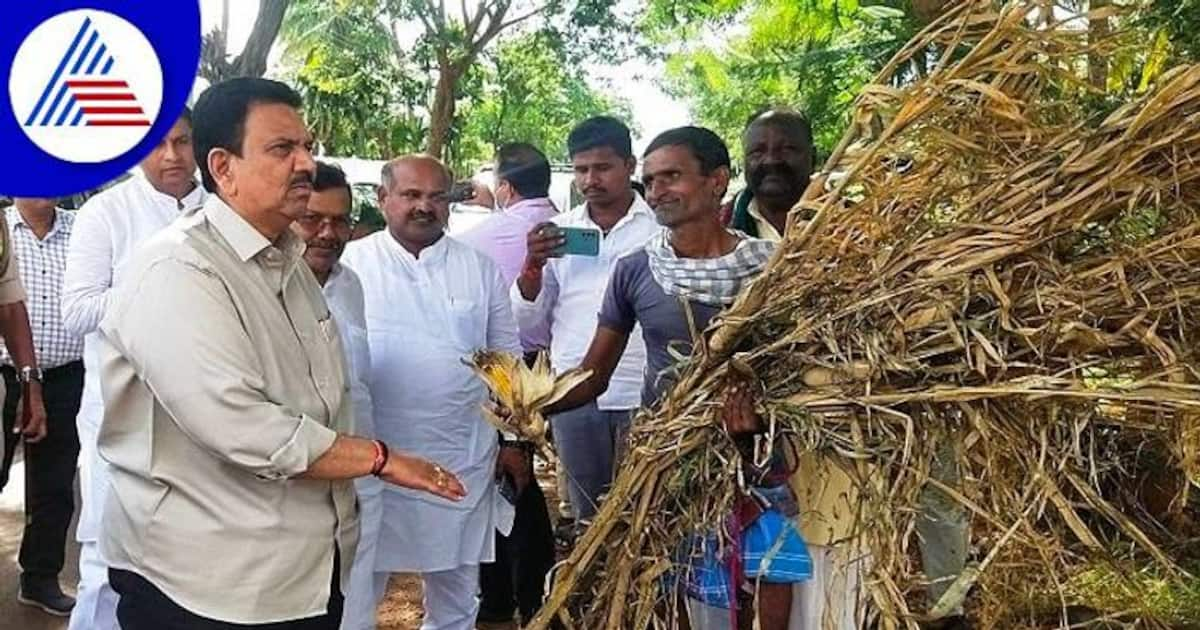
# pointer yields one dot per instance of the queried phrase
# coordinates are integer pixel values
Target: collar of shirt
(190, 202)
(534, 210)
(246, 241)
(16, 219)
(766, 229)
(639, 207)
(432, 257)
(334, 273)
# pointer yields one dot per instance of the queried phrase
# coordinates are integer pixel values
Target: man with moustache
(108, 228)
(778, 161)
(565, 292)
(325, 229)
(684, 276)
(226, 408)
(430, 302)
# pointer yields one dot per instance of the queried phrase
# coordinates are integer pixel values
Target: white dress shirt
(108, 228)
(41, 263)
(572, 291)
(424, 316)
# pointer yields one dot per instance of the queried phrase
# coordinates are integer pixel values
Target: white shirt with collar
(108, 229)
(572, 291)
(424, 316)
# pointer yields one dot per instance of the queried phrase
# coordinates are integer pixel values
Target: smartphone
(508, 489)
(580, 241)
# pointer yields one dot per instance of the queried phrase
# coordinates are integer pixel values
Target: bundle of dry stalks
(985, 268)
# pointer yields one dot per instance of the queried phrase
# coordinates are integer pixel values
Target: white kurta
(344, 294)
(424, 315)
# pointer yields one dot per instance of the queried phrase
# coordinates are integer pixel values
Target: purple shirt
(501, 237)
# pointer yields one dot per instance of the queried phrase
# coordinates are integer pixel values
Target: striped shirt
(41, 263)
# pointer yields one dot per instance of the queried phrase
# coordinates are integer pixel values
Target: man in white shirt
(108, 228)
(430, 302)
(325, 228)
(567, 291)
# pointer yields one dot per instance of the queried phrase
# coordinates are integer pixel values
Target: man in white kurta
(430, 302)
(108, 228)
(325, 228)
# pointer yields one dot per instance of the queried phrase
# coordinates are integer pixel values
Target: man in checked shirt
(40, 232)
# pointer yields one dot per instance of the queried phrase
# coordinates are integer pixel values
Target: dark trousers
(142, 606)
(517, 578)
(49, 470)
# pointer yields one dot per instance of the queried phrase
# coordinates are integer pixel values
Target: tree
(363, 95)
(813, 55)
(455, 39)
(532, 92)
(215, 65)
(369, 96)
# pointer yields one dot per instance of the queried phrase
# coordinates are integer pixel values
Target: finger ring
(439, 476)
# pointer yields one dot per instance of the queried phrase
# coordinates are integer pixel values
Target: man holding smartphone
(565, 289)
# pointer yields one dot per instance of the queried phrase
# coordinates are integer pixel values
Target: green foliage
(811, 55)
(370, 95)
(531, 93)
(1140, 590)
(361, 93)
(1180, 20)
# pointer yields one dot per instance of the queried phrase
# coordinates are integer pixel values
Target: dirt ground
(401, 609)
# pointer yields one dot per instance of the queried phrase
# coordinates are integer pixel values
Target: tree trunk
(1098, 30)
(441, 115)
(214, 57)
(253, 60)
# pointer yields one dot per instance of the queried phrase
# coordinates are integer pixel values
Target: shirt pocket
(467, 323)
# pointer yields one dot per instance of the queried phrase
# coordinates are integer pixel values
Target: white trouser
(833, 598)
(451, 597)
(362, 600)
(96, 602)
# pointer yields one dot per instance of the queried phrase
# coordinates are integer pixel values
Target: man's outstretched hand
(418, 474)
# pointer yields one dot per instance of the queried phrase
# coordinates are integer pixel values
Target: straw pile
(984, 268)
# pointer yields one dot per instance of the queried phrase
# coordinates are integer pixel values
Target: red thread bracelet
(381, 457)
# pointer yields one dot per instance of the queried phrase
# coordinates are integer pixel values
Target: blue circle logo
(91, 90)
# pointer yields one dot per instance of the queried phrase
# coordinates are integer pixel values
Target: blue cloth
(772, 551)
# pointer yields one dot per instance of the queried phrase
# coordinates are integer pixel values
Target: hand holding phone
(579, 242)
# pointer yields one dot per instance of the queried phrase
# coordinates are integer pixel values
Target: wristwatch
(28, 374)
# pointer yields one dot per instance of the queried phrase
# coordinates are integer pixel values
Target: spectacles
(316, 222)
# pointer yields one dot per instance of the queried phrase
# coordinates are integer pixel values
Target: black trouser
(142, 606)
(522, 560)
(49, 470)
